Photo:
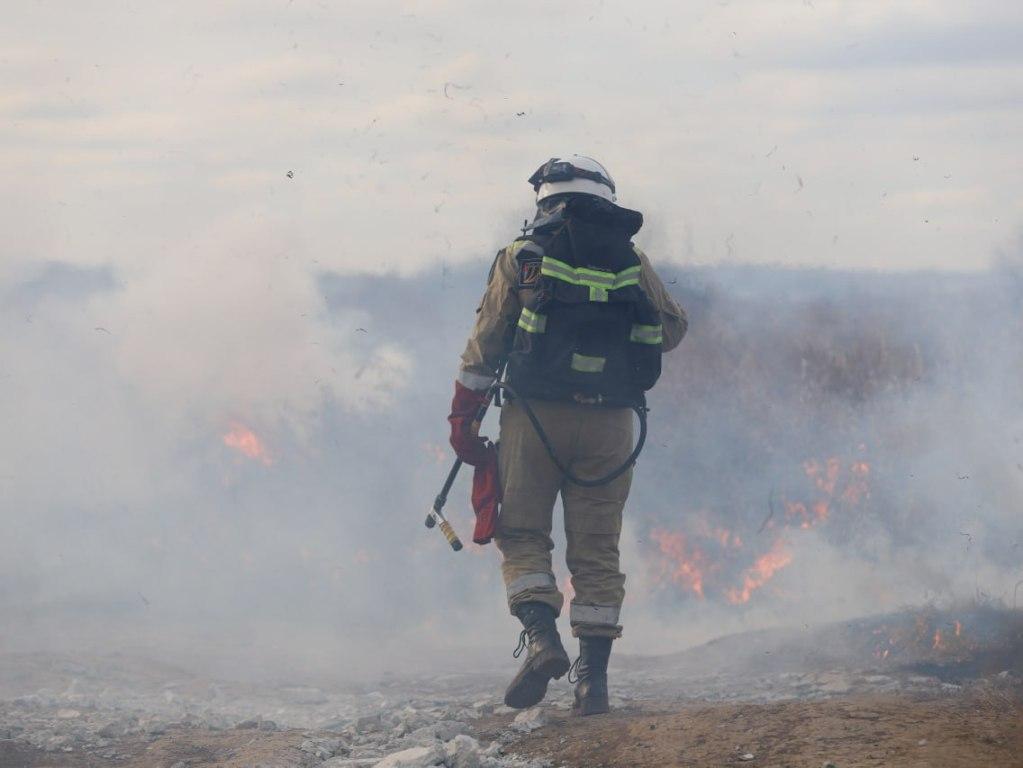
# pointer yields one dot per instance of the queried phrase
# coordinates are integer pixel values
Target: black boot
(546, 657)
(591, 675)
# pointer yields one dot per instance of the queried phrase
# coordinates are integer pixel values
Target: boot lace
(523, 640)
(573, 671)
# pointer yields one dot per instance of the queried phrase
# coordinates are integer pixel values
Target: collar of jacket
(588, 209)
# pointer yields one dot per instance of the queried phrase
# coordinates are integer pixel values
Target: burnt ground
(866, 730)
(982, 728)
(879, 691)
(184, 745)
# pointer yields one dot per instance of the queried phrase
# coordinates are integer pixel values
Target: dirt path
(889, 731)
(895, 731)
(192, 747)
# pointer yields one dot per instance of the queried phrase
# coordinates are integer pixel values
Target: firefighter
(580, 318)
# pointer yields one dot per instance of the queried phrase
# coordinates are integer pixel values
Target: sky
(856, 135)
(185, 180)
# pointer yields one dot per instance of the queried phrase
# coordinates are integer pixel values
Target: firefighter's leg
(530, 483)
(593, 523)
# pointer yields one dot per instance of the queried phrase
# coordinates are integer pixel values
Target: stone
(444, 730)
(462, 752)
(324, 747)
(528, 720)
(415, 757)
(372, 722)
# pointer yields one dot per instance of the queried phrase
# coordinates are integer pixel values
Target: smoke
(229, 457)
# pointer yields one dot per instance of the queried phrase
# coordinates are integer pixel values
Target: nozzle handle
(450, 535)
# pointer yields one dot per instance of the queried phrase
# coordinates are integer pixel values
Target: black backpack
(590, 333)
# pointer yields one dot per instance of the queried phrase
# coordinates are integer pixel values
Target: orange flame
(699, 558)
(246, 442)
(678, 564)
(761, 572)
(937, 644)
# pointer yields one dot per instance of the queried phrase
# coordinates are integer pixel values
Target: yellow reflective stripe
(598, 294)
(646, 334)
(592, 278)
(629, 274)
(532, 322)
(560, 270)
(586, 364)
(602, 279)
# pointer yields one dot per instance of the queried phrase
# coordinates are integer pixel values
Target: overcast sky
(845, 134)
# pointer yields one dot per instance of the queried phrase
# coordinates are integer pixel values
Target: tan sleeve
(673, 318)
(495, 318)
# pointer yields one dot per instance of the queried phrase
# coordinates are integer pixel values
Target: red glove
(465, 438)
(486, 495)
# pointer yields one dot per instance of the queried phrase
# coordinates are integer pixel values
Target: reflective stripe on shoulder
(604, 615)
(529, 581)
(474, 380)
(532, 322)
(592, 278)
(646, 334)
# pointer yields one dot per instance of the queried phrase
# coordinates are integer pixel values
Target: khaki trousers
(591, 442)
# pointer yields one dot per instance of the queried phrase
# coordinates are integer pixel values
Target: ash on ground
(78, 710)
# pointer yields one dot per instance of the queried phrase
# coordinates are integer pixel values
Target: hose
(605, 479)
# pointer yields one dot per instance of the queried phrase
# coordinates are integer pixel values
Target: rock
(462, 752)
(444, 730)
(350, 762)
(529, 720)
(747, 757)
(324, 747)
(68, 714)
(483, 706)
(416, 757)
(372, 722)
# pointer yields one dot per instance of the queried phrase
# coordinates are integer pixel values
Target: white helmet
(573, 173)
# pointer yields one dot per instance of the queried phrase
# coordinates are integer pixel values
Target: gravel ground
(767, 693)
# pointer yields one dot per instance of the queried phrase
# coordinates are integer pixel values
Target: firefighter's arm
(495, 317)
(673, 318)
